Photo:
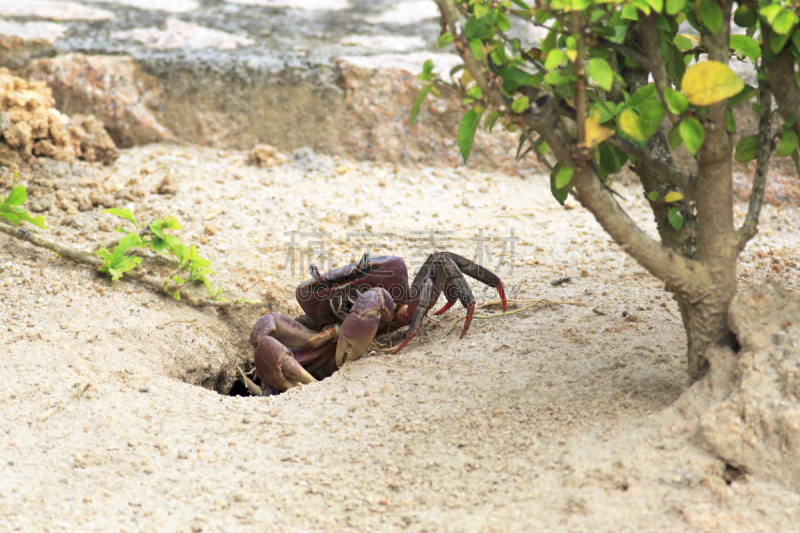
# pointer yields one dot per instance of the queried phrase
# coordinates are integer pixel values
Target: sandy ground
(556, 418)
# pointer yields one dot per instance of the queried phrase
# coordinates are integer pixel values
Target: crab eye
(362, 265)
(314, 272)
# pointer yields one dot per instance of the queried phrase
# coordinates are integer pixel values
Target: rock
(265, 155)
(169, 185)
(306, 160)
(68, 206)
(83, 201)
(100, 198)
(30, 125)
(756, 425)
(90, 139)
(40, 204)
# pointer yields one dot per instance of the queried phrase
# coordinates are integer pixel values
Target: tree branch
(640, 58)
(86, 258)
(782, 81)
(667, 172)
(652, 47)
(681, 275)
(750, 225)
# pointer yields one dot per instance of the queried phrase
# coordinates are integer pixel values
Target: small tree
(617, 81)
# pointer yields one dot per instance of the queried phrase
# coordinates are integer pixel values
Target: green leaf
(466, 133)
(675, 6)
(480, 28)
(560, 194)
(744, 95)
(563, 177)
(491, 120)
(629, 12)
(12, 218)
(444, 39)
(476, 45)
(657, 5)
(777, 41)
(674, 137)
(676, 102)
(693, 134)
(730, 122)
(712, 15)
(554, 59)
(783, 22)
(37, 221)
(600, 71)
(520, 105)
(17, 196)
(653, 195)
(788, 143)
(651, 113)
(676, 65)
(675, 218)
(513, 78)
(745, 16)
(427, 71)
(418, 103)
(769, 12)
(745, 46)
(558, 77)
(124, 213)
(746, 149)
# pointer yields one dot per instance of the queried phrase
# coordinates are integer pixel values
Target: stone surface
(180, 34)
(173, 6)
(114, 88)
(406, 13)
(305, 5)
(19, 41)
(380, 91)
(53, 10)
(756, 426)
(385, 43)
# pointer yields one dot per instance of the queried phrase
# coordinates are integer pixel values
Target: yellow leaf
(572, 54)
(673, 196)
(466, 78)
(595, 133)
(693, 38)
(710, 82)
(629, 123)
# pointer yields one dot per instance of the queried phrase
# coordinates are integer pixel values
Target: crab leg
(288, 332)
(477, 272)
(358, 329)
(419, 313)
(276, 365)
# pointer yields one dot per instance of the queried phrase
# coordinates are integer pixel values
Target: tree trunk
(706, 312)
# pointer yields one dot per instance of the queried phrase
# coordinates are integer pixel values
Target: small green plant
(191, 267)
(11, 207)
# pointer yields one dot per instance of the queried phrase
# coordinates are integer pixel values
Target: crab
(347, 306)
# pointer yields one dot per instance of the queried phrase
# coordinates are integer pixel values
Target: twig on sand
(254, 389)
(86, 258)
(515, 311)
(76, 394)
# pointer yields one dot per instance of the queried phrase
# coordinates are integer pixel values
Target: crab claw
(277, 366)
(359, 328)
